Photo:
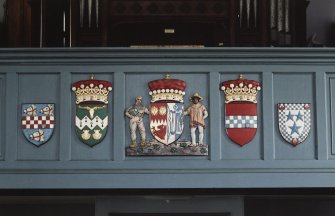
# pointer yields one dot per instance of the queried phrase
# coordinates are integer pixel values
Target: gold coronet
(98, 93)
(241, 92)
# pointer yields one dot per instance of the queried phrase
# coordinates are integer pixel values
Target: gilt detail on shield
(38, 122)
(294, 121)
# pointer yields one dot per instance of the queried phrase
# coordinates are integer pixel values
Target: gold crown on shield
(92, 90)
(167, 89)
(241, 90)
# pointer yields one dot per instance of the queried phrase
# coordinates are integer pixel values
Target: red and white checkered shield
(38, 122)
(241, 109)
(241, 121)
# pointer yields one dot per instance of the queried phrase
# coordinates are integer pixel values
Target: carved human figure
(198, 113)
(135, 113)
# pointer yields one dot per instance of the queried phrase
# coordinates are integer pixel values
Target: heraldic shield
(241, 109)
(294, 121)
(166, 109)
(166, 121)
(38, 122)
(91, 110)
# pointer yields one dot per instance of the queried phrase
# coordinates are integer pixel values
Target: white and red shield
(38, 122)
(166, 121)
(241, 121)
(294, 121)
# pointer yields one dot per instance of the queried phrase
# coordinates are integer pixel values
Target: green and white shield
(91, 122)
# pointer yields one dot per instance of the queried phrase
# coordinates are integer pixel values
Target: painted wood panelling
(103, 151)
(253, 150)
(38, 88)
(293, 87)
(2, 116)
(287, 75)
(331, 94)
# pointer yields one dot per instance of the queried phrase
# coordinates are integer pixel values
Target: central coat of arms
(166, 109)
(241, 109)
(166, 121)
(91, 110)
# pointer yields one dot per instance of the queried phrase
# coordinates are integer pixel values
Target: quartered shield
(241, 121)
(294, 121)
(166, 121)
(91, 122)
(38, 122)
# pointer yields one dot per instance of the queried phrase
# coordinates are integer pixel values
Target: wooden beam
(15, 23)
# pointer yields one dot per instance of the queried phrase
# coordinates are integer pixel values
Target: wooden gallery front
(145, 108)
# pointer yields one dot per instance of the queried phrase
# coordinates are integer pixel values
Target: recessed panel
(231, 149)
(38, 88)
(103, 150)
(331, 118)
(294, 88)
(137, 85)
(2, 116)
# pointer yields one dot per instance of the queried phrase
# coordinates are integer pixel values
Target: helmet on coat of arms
(167, 89)
(92, 90)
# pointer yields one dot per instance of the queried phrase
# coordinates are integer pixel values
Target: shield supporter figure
(91, 109)
(166, 109)
(241, 109)
(294, 121)
(38, 122)
(166, 121)
(136, 113)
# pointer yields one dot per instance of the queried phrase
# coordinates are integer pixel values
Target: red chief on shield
(241, 109)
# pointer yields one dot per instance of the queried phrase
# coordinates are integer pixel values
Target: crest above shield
(167, 89)
(91, 109)
(241, 109)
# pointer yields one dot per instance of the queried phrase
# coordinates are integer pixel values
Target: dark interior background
(320, 26)
(289, 206)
